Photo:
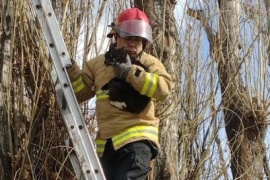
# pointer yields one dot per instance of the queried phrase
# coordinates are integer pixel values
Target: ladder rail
(75, 124)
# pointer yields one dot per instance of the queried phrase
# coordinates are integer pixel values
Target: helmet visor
(135, 28)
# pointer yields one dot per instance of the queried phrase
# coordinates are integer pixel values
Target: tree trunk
(167, 48)
(244, 117)
(6, 151)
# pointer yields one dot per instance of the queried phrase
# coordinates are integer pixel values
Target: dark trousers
(131, 162)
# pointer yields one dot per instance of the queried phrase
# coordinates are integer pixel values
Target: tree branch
(200, 16)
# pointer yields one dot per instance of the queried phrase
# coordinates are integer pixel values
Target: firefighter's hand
(121, 69)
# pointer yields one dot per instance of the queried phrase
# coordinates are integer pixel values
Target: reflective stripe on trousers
(146, 132)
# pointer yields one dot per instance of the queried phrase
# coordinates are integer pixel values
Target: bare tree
(244, 114)
(217, 55)
(6, 152)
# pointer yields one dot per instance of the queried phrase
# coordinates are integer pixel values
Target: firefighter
(126, 141)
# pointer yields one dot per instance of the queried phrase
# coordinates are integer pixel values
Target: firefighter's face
(132, 44)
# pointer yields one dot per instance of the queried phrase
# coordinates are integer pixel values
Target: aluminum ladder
(84, 161)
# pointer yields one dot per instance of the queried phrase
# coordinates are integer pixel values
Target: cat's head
(115, 56)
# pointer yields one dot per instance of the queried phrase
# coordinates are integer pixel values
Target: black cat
(122, 94)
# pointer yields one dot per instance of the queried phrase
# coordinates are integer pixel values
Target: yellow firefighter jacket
(122, 126)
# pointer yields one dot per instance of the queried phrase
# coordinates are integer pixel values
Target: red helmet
(132, 22)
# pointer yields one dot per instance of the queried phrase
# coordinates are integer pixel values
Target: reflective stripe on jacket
(150, 84)
(102, 94)
(78, 84)
(112, 121)
(129, 135)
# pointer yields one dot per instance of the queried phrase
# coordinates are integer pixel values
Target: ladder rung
(86, 157)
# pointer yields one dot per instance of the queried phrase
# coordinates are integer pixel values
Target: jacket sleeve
(82, 81)
(156, 83)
